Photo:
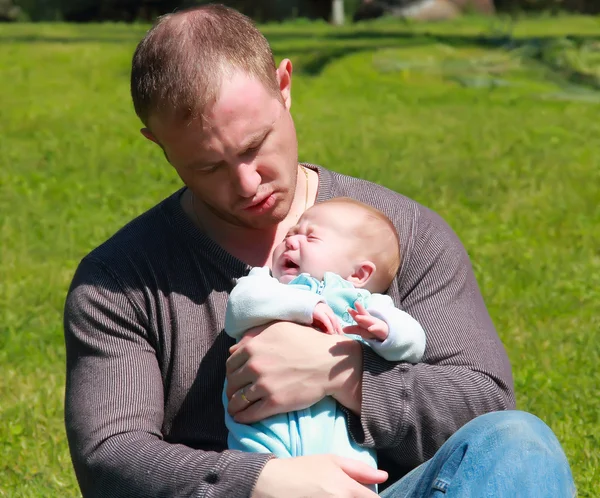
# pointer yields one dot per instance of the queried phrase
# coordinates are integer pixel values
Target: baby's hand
(324, 318)
(367, 326)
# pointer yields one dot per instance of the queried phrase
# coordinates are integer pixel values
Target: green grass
(497, 133)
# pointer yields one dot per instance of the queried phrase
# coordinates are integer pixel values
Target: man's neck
(235, 239)
(252, 246)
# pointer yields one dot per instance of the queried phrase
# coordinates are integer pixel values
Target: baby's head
(343, 236)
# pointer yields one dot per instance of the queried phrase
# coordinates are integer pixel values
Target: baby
(329, 272)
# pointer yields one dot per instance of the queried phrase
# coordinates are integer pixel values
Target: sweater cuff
(381, 422)
(234, 475)
(306, 308)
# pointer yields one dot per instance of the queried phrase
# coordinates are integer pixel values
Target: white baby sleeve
(258, 299)
(406, 338)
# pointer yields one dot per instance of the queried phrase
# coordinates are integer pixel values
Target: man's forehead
(206, 134)
(243, 108)
(238, 94)
(239, 91)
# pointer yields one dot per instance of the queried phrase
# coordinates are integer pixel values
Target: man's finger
(254, 412)
(237, 402)
(238, 379)
(361, 472)
(248, 335)
(238, 358)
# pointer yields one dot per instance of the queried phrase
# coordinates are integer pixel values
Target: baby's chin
(286, 279)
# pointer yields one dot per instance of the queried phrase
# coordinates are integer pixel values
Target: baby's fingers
(356, 330)
(360, 308)
(379, 329)
(329, 324)
(322, 320)
(365, 321)
(338, 326)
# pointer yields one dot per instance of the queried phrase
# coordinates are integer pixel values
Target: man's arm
(114, 405)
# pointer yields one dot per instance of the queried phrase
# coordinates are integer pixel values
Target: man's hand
(317, 476)
(285, 367)
(324, 318)
(367, 326)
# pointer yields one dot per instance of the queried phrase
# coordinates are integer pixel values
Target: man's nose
(246, 179)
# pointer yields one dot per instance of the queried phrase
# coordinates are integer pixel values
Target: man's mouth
(260, 204)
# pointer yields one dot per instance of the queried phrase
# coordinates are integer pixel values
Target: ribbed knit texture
(146, 355)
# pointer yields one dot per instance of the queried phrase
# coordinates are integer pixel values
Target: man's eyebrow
(254, 139)
(251, 141)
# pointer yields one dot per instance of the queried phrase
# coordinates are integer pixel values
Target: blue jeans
(500, 454)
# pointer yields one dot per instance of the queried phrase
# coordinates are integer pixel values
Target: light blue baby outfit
(258, 299)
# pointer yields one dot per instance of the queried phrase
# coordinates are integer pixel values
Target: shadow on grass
(535, 49)
(328, 47)
(493, 40)
(4, 39)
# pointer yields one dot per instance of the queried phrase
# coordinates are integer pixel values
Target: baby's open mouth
(290, 264)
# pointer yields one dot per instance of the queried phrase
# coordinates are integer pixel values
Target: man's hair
(381, 238)
(178, 67)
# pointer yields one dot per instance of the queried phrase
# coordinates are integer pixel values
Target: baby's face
(320, 242)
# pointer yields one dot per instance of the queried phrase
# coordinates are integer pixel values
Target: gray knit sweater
(146, 355)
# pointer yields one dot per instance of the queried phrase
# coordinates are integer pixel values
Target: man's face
(320, 242)
(241, 159)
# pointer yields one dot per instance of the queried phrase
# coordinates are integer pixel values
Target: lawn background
(494, 124)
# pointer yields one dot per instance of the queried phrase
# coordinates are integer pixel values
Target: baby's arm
(392, 333)
(258, 299)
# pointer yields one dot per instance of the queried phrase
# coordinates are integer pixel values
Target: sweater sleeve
(258, 299)
(408, 411)
(114, 405)
(406, 337)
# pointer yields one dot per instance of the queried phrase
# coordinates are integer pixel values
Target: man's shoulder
(147, 233)
(415, 223)
(402, 210)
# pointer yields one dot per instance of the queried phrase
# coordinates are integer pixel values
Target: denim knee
(496, 455)
(517, 428)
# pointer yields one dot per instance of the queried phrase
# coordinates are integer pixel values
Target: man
(146, 355)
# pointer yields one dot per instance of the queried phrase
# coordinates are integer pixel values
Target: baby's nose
(292, 242)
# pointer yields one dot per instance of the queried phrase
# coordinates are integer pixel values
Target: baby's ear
(362, 274)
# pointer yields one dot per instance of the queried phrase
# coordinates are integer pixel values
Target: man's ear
(362, 274)
(284, 78)
(148, 134)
